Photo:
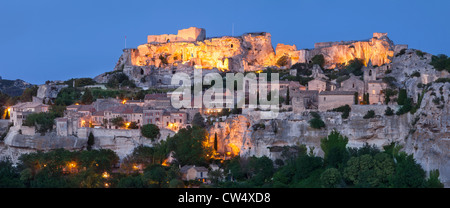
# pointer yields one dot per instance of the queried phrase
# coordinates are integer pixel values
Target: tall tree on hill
(215, 141)
(87, 97)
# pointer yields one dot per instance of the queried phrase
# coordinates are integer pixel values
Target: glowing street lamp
(105, 175)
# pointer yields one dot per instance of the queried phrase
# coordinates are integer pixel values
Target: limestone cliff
(379, 49)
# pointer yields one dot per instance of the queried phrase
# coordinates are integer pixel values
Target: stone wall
(328, 102)
(361, 110)
(190, 34)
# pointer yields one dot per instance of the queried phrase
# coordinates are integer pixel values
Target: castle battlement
(191, 34)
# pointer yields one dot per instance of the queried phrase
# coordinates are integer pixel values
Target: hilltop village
(372, 91)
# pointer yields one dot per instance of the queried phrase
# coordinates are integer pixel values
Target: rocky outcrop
(49, 91)
(379, 49)
(122, 142)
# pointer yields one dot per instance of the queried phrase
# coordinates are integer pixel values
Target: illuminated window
(373, 92)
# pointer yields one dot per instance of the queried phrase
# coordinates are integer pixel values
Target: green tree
(190, 146)
(261, 170)
(198, 120)
(407, 106)
(68, 96)
(345, 109)
(150, 131)
(354, 66)
(330, 178)
(433, 181)
(408, 174)
(316, 122)
(133, 125)
(334, 147)
(87, 97)
(28, 93)
(118, 121)
(440, 62)
(132, 181)
(402, 96)
(215, 176)
(156, 174)
(215, 141)
(369, 114)
(91, 141)
(42, 121)
(389, 111)
(9, 175)
(318, 59)
(176, 183)
(287, 96)
(370, 171)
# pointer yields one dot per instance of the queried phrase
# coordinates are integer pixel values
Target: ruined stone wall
(361, 110)
(190, 34)
(328, 102)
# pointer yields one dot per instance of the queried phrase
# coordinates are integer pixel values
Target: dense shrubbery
(118, 80)
(68, 96)
(42, 121)
(318, 59)
(354, 66)
(316, 122)
(369, 114)
(80, 82)
(150, 131)
(345, 109)
(441, 62)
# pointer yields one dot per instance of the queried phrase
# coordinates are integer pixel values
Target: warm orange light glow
(77, 104)
(105, 175)
(127, 124)
(135, 167)
(73, 164)
(124, 101)
(83, 122)
(259, 71)
(165, 163)
(106, 185)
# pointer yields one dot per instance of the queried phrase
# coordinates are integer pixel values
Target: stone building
(20, 111)
(304, 99)
(159, 100)
(174, 120)
(317, 84)
(333, 99)
(375, 90)
(354, 84)
(199, 173)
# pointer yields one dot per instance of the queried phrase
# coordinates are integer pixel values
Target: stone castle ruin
(154, 63)
(250, 51)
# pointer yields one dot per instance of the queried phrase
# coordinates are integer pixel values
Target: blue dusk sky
(58, 40)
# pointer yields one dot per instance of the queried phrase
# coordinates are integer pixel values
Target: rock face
(379, 49)
(122, 142)
(49, 91)
(190, 49)
(225, 53)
